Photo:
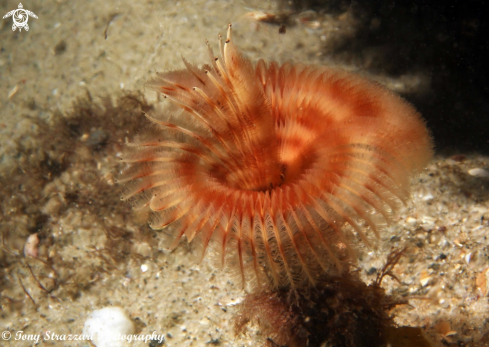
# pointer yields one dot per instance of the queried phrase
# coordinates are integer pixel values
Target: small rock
(478, 172)
(458, 157)
(425, 278)
(105, 325)
(30, 247)
(481, 281)
(60, 47)
(372, 271)
(411, 220)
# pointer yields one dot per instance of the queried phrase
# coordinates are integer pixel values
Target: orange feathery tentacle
(275, 169)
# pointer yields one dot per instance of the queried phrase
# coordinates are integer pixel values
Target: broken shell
(411, 220)
(481, 281)
(425, 278)
(478, 172)
(13, 91)
(30, 247)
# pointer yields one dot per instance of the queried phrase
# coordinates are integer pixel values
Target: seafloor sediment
(59, 159)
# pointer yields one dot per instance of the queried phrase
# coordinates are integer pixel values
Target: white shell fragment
(425, 281)
(478, 172)
(30, 247)
(12, 92)
(106, 325)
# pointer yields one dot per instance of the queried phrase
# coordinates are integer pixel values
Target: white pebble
(424, 281)
(411, 220)
(478, 172)
(30, 247)
(106, 324)
(235, 302)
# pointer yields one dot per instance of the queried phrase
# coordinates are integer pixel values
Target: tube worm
(274, 170)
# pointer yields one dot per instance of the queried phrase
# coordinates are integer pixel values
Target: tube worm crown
(272, 169)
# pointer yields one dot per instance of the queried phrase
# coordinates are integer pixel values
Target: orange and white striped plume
(274, 170)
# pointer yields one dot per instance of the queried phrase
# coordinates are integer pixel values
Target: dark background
(448, 42)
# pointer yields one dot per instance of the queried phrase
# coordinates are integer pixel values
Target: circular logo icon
(20, 18)
(6, 335)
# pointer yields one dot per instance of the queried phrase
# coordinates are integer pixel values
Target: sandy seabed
(57, 179)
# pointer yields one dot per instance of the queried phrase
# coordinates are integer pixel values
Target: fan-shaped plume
(272, 169)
